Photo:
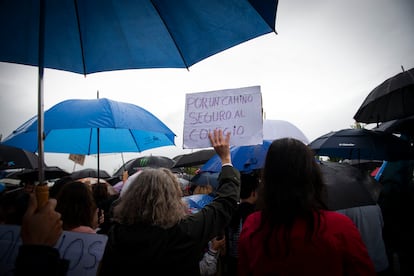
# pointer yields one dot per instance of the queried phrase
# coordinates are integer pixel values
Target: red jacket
(336, 249)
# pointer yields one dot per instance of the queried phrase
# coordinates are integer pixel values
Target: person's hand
(221, 145)
(43, 226)
(218, 244)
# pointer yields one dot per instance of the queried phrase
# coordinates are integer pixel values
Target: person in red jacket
(293, 233)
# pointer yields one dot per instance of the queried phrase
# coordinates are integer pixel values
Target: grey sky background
(315, 73)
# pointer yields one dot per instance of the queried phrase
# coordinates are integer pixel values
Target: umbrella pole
(42, 190)
(98, 156)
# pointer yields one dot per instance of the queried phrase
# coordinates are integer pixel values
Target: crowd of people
(271, 222)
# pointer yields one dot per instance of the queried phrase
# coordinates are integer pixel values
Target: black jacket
(151, 250)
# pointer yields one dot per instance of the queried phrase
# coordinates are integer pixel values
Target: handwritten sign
(84, 251)
(77, 158)
(238, 111)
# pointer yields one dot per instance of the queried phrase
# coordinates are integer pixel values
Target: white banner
(238, 111)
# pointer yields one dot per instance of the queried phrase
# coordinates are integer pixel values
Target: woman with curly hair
(293, 233)
(153, 232)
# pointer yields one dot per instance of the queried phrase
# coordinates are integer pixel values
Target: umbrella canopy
(197, 202)
(275, 129)
(95, 36)
(348, 186)
(51, 172)
(403, 126)
(361, 144)
(392, 99)
(72, 126)
(16, 158)
(150, 161)
(89, 173)
(195, 158)
(244, 158)
(249, 158)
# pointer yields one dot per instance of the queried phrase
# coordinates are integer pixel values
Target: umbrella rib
(172, 37)
(80, 37)
(90, 140)
(135, 141)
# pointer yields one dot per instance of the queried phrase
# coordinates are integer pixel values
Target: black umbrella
(402, 126)
(392, 99)
(150, 161)
(195, 158)
(348, 186)
(89, 173)
(51, 172)
(17, 158)
(362, 144)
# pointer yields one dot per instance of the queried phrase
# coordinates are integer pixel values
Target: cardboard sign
(84, 251)
(77, 158)
(238, 111)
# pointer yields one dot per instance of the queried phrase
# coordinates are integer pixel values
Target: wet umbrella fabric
(348, 186)
(392, 99)
(195, 158)
(72, 126)
(403, 126)
(151, 161)
(94, 36)
(89, 173)
(361, 144)
(17, 158)
(51, 172)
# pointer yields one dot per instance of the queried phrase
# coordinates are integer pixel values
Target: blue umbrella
(100, 35)
(249, 158)
(72, 126)
(244, 158)
(197, 202)
(89, 36)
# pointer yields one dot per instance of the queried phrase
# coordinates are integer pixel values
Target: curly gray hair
(154, 197)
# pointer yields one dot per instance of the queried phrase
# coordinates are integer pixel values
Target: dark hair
(249, 183)
(54, 190)
(76, 204)
(292, 188)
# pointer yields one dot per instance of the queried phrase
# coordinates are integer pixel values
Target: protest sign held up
(238, 111)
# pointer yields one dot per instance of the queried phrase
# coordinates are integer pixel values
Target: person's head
(248, 186)
(292, 183)
(154, 197)
(55, 188)
(76, 204)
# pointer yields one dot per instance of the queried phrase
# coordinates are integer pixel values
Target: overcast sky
(315, 73)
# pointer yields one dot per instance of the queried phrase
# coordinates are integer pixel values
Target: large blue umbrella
(72, 126)
(89, 36)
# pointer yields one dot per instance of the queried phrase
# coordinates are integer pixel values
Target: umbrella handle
(42, 195)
